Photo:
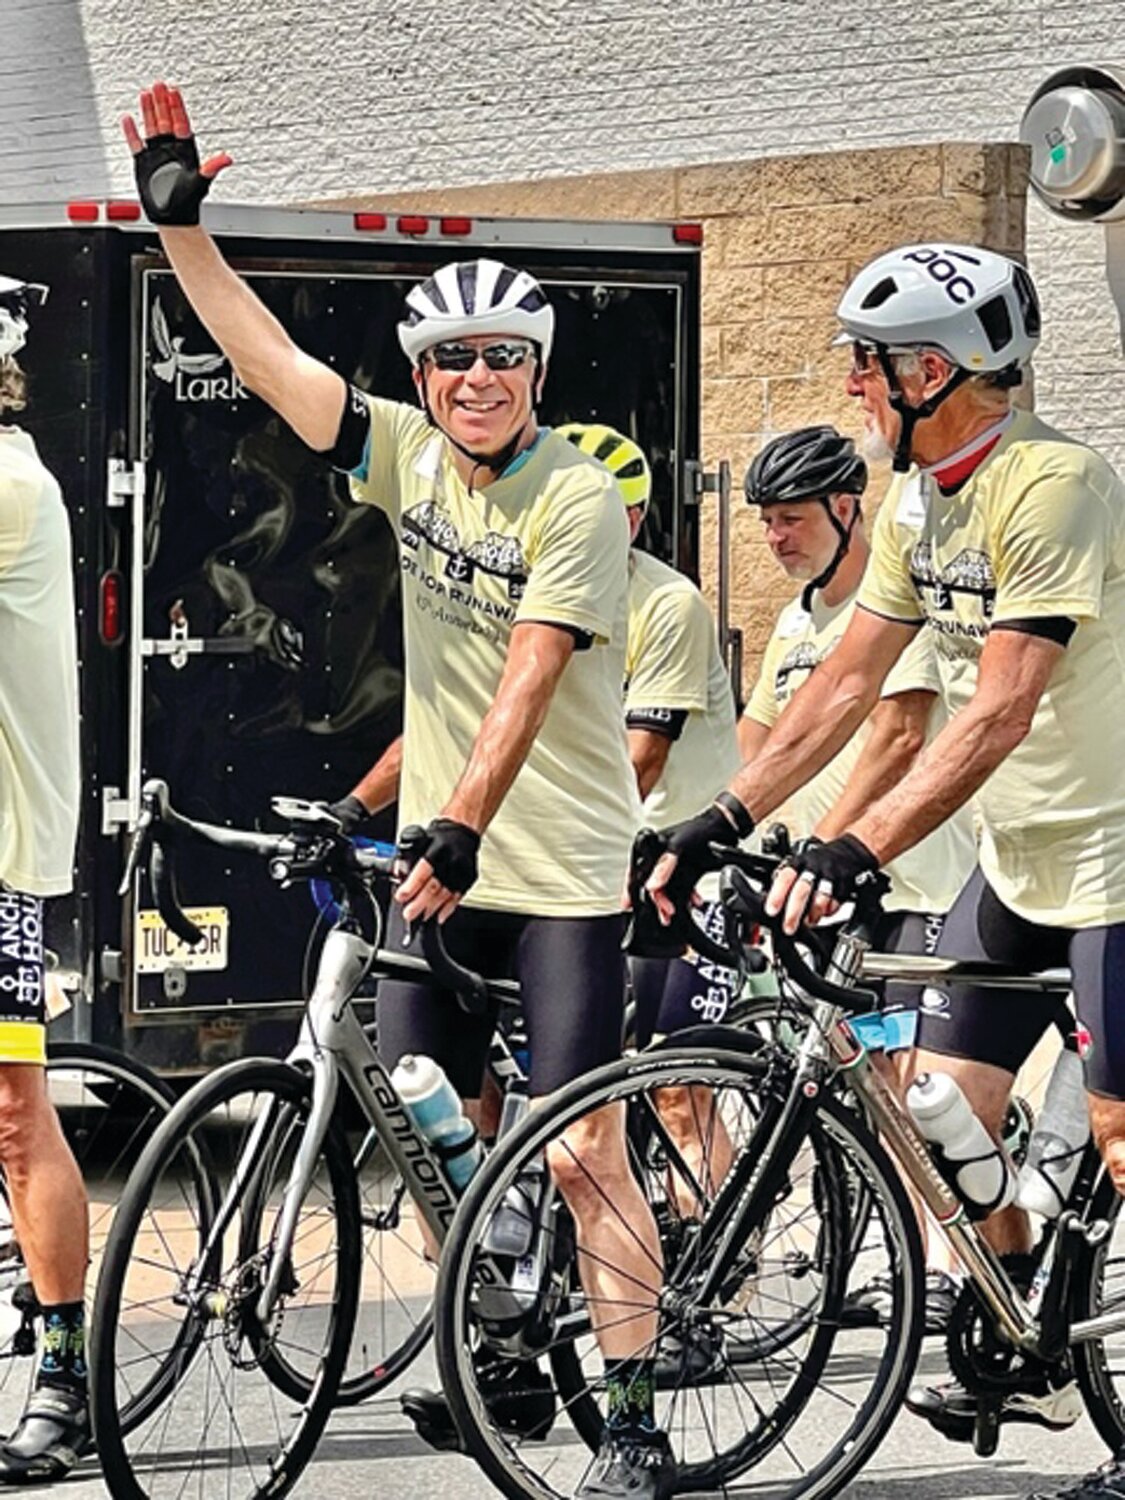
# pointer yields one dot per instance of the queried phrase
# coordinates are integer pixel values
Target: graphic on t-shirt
(495, 554)
(802, 657)
(968, 574)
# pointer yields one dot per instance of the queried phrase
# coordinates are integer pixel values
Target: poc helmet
(621, 456)
(17, 299)
(976, 307)
(812, 463)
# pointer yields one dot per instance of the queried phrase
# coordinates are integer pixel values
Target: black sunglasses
(499, 356)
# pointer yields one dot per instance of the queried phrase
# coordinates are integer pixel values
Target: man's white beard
(876, 449)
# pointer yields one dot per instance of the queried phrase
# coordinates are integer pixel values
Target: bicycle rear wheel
(109, 1107)
(796, 1419)
(185, 1304)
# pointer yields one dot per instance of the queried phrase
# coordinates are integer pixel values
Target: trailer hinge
(117, 811)
(701, 481)
(123, 481)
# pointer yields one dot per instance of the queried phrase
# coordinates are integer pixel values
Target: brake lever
(469, 987)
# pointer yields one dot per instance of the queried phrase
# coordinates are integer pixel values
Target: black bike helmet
(813, 463)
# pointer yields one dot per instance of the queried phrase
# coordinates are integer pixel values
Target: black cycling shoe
(951, 1410)
(1106, 1483)
(628, 1467)
(49, 1440)
(942, 1292)
(695, 1356)
(519, 1396)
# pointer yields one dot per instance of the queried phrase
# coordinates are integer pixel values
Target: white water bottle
(1058, 1140)
(436, 1110)
(974, 1165)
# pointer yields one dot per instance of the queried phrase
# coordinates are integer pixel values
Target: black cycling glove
(451, 849)
(169, 181)
(350, 811)
(833, 868)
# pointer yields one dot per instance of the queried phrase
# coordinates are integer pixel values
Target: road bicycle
(323, 1182)
(772, 1243)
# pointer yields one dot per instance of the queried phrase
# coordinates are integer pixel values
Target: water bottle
(975, 1166)
(436, 1111)
(1058, 1140)
(512, 1227)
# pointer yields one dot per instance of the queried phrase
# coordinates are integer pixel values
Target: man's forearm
(893, 740)
(508, 730)
(822, 717)
(243, 327)
(954, 766)
(379, 788)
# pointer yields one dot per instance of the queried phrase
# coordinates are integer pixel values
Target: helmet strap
(844, 534)
(910, 416)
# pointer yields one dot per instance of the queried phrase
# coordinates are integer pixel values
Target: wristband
(739, 813)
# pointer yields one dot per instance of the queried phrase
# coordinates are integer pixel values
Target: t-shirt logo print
(802, 657)
(498, 555)
(970, 572)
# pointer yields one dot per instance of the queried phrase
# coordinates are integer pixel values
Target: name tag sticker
(913, 502)
(156, 947)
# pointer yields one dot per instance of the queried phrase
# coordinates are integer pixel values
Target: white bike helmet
(16, 300)
(470, 297)
(974, 306)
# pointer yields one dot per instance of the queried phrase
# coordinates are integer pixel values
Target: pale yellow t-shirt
(546, 542)
(673, 662)
(1037, 532)
(926, 878)
(39, 761)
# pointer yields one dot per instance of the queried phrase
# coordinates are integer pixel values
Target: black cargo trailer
(238, 617)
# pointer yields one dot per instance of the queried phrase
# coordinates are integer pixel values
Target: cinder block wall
(782, 238)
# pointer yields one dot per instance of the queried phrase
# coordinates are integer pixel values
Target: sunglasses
(499, 356)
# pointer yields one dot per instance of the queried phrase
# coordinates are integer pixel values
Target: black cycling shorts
(1002, 1027)
(572, 976)
(672, 993)
(23, 1031)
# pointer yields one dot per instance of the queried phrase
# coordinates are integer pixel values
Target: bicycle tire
(1097, 1288)
(536, 1469)
(108, 1105)
(206, 1301)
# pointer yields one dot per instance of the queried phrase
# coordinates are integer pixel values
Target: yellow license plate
(157, 948)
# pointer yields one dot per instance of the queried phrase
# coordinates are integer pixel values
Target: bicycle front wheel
(752, 1403)
(185, 1306)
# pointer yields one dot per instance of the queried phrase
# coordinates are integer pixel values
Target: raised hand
(170, 179)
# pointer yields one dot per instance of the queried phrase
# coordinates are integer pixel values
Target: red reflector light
(82, 213)
(110, 622)
(412, 224)
(370, 221)
(123, 212)
(687, 234)
(456, 226)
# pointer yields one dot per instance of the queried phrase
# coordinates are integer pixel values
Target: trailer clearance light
(110, 623)
(123, 213)
(370, 221)
(412, 224)
(687, 234)
(456, 226)
(82, 213)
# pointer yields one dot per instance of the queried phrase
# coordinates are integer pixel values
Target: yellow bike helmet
(621, 456)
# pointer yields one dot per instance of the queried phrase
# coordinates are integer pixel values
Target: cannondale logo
(191, 376)
(935, 1002)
